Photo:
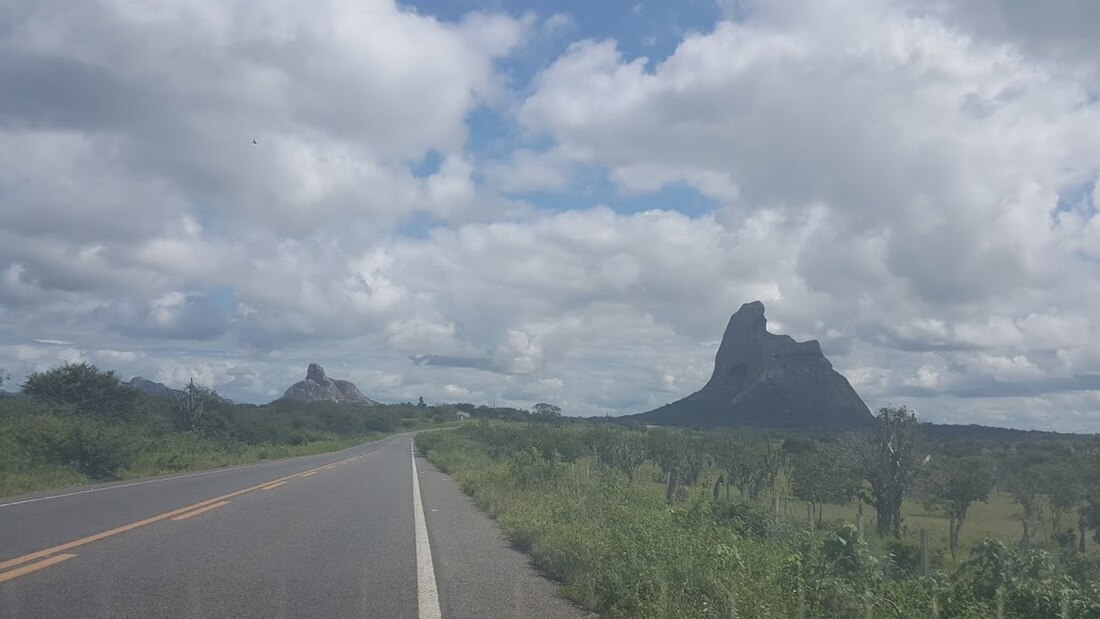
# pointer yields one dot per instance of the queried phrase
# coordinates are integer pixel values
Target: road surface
(332, 535)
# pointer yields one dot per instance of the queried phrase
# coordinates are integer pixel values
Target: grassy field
(620, 550)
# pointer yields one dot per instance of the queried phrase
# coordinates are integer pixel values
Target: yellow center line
(200, 510)
(274, 485)
(34, 567)
(311, 473)
(141, 523)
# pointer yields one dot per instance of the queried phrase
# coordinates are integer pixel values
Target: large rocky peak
(765, 379)
(317, 387)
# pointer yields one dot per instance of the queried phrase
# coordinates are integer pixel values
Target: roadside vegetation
(77, 424)
(654, 522)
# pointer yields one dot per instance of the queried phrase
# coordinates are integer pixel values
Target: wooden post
(810, 514)
(1000, 603)
(859, 519)
(924, 551)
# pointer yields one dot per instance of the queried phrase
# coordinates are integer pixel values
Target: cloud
(914, 184)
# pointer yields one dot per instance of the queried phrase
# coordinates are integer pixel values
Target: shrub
(87, 389)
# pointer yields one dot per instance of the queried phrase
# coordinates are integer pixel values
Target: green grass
(44, 448)
(618, 549)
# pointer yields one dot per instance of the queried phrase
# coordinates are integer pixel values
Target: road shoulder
(479, 574)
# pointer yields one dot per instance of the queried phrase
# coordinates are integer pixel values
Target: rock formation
(764, 379)
(320, 388)
(152, 388)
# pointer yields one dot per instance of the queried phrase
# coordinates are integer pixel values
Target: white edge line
(427, 594)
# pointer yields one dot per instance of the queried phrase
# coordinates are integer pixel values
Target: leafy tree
(888, 458)
(420, 402)
(1025, 486)
(86, 388)
(956, 483)
(545, 413)
(824, 475)
(1063, 488)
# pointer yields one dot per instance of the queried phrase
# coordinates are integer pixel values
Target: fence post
(1000, 603)
(924, 551)
(810, 515)
(859, 519)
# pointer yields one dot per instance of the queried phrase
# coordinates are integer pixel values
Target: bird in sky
(253, 141)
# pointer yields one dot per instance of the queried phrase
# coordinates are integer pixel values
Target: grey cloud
(477, 363)
(1002, 389)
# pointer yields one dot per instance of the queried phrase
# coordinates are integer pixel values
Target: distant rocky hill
(152, 388)
(320, 388)
(764, 379)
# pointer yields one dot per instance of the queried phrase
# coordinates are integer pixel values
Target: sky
(512, 202)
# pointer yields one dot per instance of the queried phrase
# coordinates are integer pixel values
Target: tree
(1025, 486)
(824, 475)
(887, 457)
(622, 451)
(1090, 517)
(87, 389)
(420, 402)
(679, 456)
(956, 483)
(545, 413)
(1063, 488)
(751, 463)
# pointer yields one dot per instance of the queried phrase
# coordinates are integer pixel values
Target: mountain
(153, 389)
(320, 388)
(764, 379)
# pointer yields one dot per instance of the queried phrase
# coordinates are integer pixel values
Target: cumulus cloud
(914, 184)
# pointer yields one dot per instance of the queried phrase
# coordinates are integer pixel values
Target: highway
(353, 533)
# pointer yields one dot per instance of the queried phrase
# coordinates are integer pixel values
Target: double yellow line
(56, 554)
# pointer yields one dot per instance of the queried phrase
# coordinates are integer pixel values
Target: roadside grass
(618, 549)
(44, 448)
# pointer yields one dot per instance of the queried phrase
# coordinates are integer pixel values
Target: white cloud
(914, 184)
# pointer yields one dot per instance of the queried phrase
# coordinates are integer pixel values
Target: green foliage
(80, 424)
(957, 482)
(825, 475)
(888, 459)
(93, 449)
(84, 387)
(619, 450)
(621, 551)
(545, 413)
(678, 452)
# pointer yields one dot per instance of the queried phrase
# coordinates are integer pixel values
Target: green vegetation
(77, 424)
(632, 522)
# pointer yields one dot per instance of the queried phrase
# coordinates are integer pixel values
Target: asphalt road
(333, 535)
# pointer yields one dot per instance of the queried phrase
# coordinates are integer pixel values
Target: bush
(92, 449)
(87, 389)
